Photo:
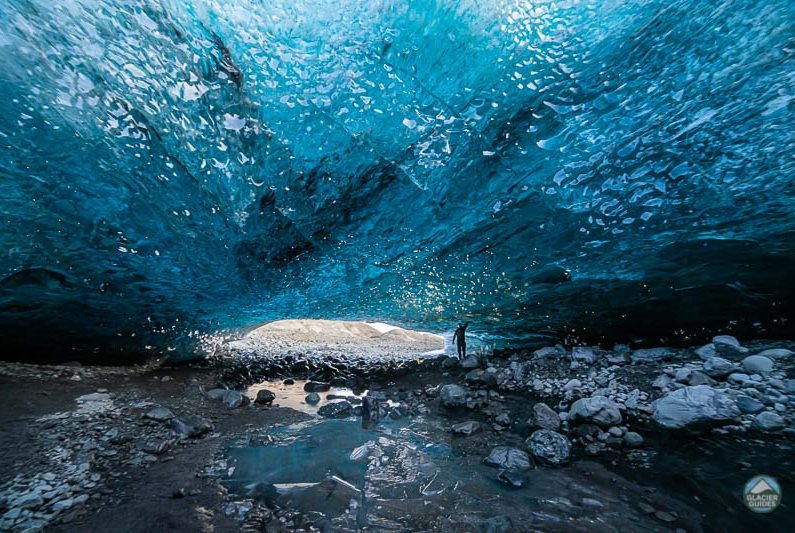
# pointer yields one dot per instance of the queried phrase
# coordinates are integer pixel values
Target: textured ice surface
(173, 168)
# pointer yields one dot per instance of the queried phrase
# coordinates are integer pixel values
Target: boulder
(475, 376)
(749, 406)
(776, 353)
(265, 397)
(234, 399)
(599, 410)
(584, 354)
(707, 351)
(718, 367)
(632, 439)
(549, 446)
(316, 386)
(190, 426)
(650, 355)
(470, 362)
(216, 394)
(699, 378)
(694, 408)
(769, 421)
(452, 395)
(312, 398)
(549, 351)
(338, 409)
(728, 346)
(757, 364)
(572, 384)
(508, 458)
(544, 417)
(159, 414)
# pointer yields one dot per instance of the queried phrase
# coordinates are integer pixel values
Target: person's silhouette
(459, 337)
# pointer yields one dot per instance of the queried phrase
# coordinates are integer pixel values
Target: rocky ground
(142, 449)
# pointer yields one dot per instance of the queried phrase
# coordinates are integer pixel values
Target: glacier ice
(605, 168)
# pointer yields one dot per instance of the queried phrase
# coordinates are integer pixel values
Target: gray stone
(718, 367)
(648, 355)
(662, 382)
(707, 351)
(769, 421)
(233, 399)
(598, 409)
(776, 353)
(728, 346)
(549, 446)
(544, 417)
(30, 500)
(699, 378)
(312, 398)
(339, 409)
(159, 414)
(584, 354)
(470, 362)
(512, 478)
(633, 440)
(549, 351)
(748, 405)
(508, 458)
(216, 394)
(190, 426)
(265, 396)
(503, 419)
(452, 395)
(316, 386)
(738, 378)
(572, 384)
(757, 364)
(466, 428)
(694, 408)
(683, 375)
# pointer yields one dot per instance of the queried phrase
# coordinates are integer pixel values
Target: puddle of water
(293, 396)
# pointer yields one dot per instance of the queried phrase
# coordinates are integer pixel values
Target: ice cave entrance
(344, 338)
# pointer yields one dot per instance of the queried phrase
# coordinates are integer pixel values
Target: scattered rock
(694, 408)
(718, 367)
(190, 426)
(776, 353)
(769, 421)
(316, 386)
(512, 478)
(452, 395)
(337, 409)
(470, 362)
(312, 398)
(159, 414)
(265, 396)
(757, 364)
(748, 405)
(633, 440)
(584, 354)
(648, 355)
(549, 446)
(508, 458)
(598, 409)
(727, 345)
(544, 417)
(233, 399)
(466, 428)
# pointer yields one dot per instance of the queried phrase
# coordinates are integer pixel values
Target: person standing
(460, 340)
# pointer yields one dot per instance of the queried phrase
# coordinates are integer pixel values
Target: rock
(470, 362)
(549, 351)
(466, 428)
(474, 376)
(718, 367)
(512, 478)
(598, 409)
(683, 375)
(694, 408)
(508, 458)
(288, 381)
(159, 414)
(190, 426)
(373, 411)
(233, 399)
(549, 446)
(216, 394)
(544, 417)
(503, 419)
(450, 363)
(32, 500)
(769, 421)
(316, 386)
(633, 440)
(265, 397)
(699, 378)
(757, 364)
(738, 379)
(338, 409)
(648, 355)
(584, 354)
(155, 446)
(572, 384)
(452, 395)
(727, 345)
(776, 353)
(312, 398)
(707, 351)
(590, 502)
(662, 382)
(748, 405)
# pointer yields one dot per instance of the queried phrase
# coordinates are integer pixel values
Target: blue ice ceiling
(605, 169)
